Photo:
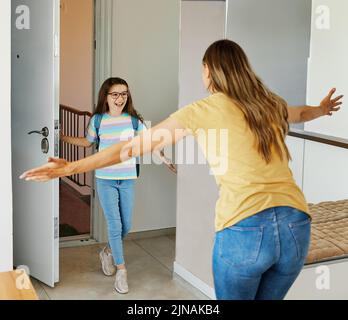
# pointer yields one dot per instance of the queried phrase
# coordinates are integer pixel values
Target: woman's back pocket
(240, 246)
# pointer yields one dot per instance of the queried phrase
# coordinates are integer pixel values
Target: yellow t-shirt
(247, 184)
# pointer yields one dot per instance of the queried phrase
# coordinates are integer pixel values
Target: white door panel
(35, 105)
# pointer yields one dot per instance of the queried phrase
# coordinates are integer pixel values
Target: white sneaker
(121, 284)
(107, 262)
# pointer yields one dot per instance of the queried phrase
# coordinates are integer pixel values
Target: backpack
(97, 121)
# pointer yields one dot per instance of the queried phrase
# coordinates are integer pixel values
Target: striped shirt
(114, 129)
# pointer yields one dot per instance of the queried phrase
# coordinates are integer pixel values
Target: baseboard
(151, 234)
(194, 281)
(77, 243)
(85, 240)
(79, 237)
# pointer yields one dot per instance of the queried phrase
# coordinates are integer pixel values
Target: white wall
(77, 63)
(328, 64)
(6, 246)
(77, 50)
(275, 35)
(325, 167)
(202, 22)
(145, 52)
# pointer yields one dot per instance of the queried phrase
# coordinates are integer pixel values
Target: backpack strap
(97, 121)
(135, 123)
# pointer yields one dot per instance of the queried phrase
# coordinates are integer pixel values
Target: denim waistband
(275, 214)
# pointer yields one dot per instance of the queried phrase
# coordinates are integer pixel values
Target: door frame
(103, 12)
(102, 60)
(98, 15)
(6, 227)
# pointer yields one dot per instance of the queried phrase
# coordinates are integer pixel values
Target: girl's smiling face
(117, 98)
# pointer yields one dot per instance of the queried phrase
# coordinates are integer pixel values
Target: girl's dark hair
(103, 107)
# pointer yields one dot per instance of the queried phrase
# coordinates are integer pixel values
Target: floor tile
(149, 264)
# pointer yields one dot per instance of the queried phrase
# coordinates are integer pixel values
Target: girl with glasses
(113, 121)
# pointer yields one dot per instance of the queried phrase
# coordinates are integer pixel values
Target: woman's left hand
(329, 105)
(55, 168)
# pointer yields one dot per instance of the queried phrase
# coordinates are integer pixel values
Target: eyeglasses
(116, 95)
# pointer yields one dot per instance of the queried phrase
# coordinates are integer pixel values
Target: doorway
(35, 107)
(76, 107)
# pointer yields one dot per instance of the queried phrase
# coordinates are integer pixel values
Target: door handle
(45, 132)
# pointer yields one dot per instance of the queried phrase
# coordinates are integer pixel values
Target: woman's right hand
(55, 168)
(120, 152)
(56, 162)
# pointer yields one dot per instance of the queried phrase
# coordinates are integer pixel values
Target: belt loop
(274, 215)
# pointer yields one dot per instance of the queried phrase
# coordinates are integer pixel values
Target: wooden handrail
(72, 120)
(75, 111)
(320, 138)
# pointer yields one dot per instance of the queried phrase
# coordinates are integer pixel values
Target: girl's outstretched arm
(76, 141)
(155, 139)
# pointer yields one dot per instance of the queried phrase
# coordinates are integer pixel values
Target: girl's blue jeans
(117, 200)
(260, 257)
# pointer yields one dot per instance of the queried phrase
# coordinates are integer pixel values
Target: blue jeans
(260, 257)
(117, 200)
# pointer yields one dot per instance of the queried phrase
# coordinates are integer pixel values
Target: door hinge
(56, 228)
(56, 137)
(56, 45)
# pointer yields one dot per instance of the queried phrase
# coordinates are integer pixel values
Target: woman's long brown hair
(103, 107)
(265, 112)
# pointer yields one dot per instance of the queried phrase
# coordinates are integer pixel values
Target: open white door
(35, 107)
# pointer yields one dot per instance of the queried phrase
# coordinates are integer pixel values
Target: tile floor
(150, 274)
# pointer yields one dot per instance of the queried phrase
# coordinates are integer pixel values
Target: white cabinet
(325, 175)
(296, 149)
